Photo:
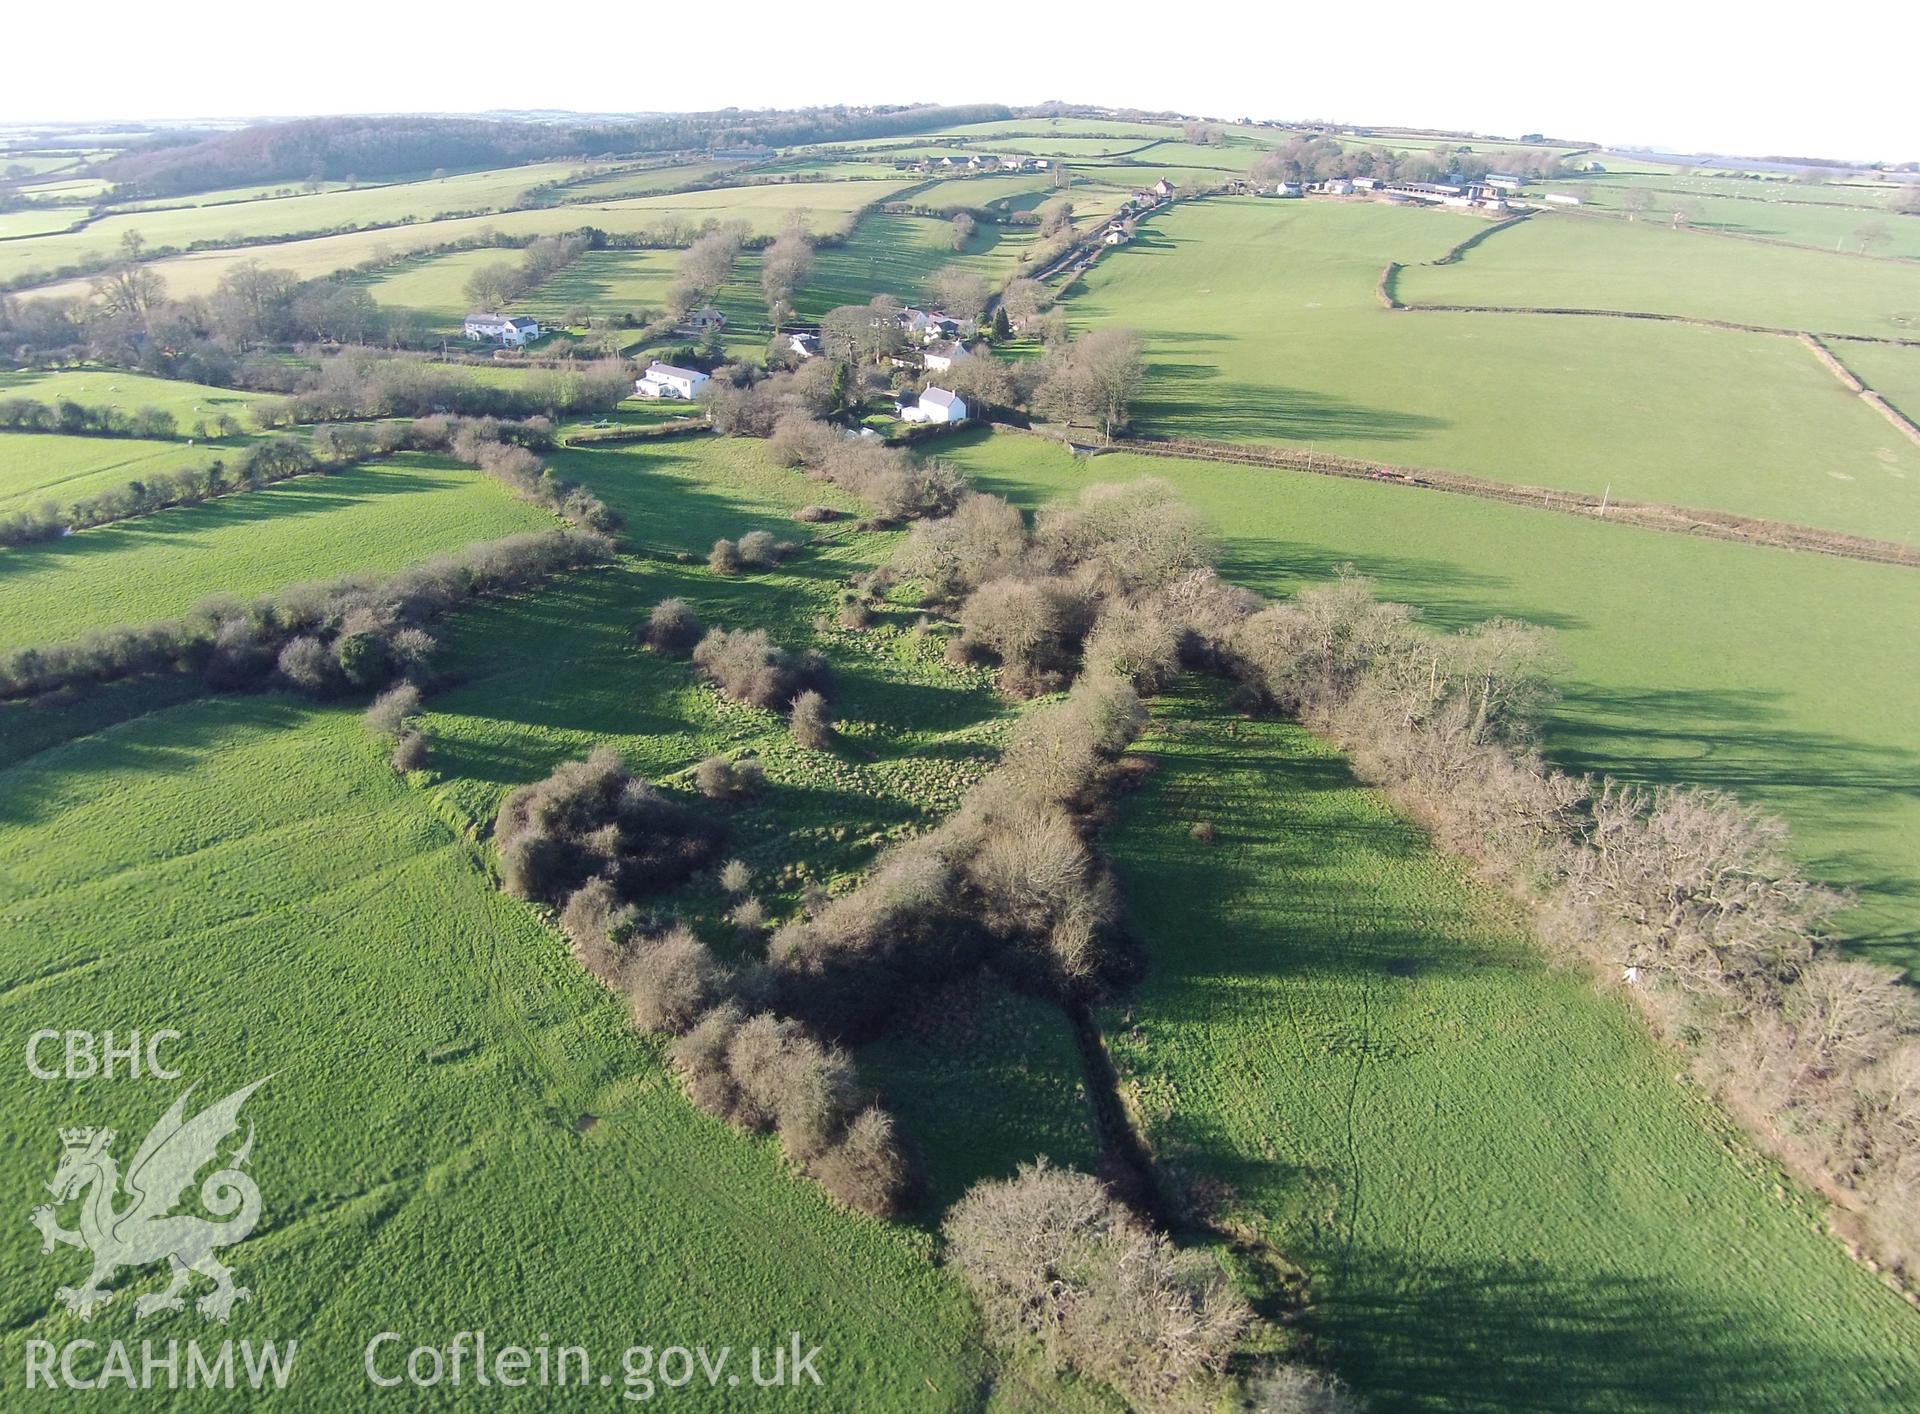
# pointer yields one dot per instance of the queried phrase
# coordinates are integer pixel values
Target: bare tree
(959, 291)
(963, 228)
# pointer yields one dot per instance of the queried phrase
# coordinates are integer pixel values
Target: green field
(1778, 676)
(269, 219)
(129, 392)
(890, 254)
(1506, 1198)
(762, 209)
(433, 286)
(1262, 326)
(248, 872)
(1891, 371)
(369, 518)
(1570, 261)
(36, 467)
(1773, 213)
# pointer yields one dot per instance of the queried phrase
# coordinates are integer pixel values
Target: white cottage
(663, 380)
(938, 405)
(499, 329)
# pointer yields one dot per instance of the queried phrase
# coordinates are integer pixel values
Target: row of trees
(235, 645)
(496, 286)
(1319, 159)
(74, 419)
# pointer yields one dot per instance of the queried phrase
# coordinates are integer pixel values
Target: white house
(1339, 186)
(1115, 235)
(663, 380)
(943, 355)
(804, 344)
(701, 320)
(1163, 188)
(937, 405)
(499, 329)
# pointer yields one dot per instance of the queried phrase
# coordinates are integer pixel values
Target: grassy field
(1505, 1196)
(433, 286)
(762, 209)
(369, 518)
(36, 467)
(460, 1130)
(1780, 677)
(1262, 326)
(1570, 261)
(129, 392)
(889, 254)
(1776, 213)
(1891, 371)
(270, 218)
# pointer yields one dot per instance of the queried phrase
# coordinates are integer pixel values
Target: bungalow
(499, 329)
(663, 380)
(701, 320)
(936, 405)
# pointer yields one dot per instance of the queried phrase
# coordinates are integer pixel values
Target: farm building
(701, 320)
(499, 329)
(663, 380)
(1560, 198)
(936, 405)
(1285, 189)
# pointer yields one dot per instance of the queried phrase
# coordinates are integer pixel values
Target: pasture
(457, 1116)
(1777, 676)
(761, 210)
(370, 518)
(36, 467)
(1262, 326)
(129, 392)
(1505, 1195)
(894, 254)
(1590, 263)
(271, 218)
(1771, 212)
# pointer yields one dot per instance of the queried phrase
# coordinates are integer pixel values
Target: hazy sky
(1750, 80)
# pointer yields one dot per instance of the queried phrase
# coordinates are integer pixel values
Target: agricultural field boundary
(1902, 424)
(1683, 520)
(1394, 302)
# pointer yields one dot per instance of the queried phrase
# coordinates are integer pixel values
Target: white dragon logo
(146, 1230)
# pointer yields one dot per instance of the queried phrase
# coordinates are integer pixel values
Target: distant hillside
(376, 148)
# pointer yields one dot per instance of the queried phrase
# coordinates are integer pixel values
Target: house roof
(947, 348)
(940, 398)
(520, 321)
(658, 370)
(480, 317)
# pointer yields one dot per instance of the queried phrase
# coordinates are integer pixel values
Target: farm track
(1684, 520)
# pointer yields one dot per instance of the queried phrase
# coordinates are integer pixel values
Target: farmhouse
(1115, 235)
(936, 405)
(806, 345)
(499, 329)
(941, 356)
(663, 380)
(1163, 189)
(1286, 189)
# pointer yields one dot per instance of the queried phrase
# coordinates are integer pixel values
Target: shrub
(671, 981)
(735, 876)
(724, 558)
(812, 725)
(600, 928)
(591, 819)
(757, 550)
(409, 752)
(393, 709)
(815, 515)
(671, 627)
(864, 1171)
(1296, 1389)
(1051, 1253)
(749, 667)
(700, 1055)
(362, 656)
(721, 779)
(1031, 625)
(749, 915)
(1134, 641)
(306, 664)
(1204, 832)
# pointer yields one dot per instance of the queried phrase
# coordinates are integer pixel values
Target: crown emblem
(83, 1138)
